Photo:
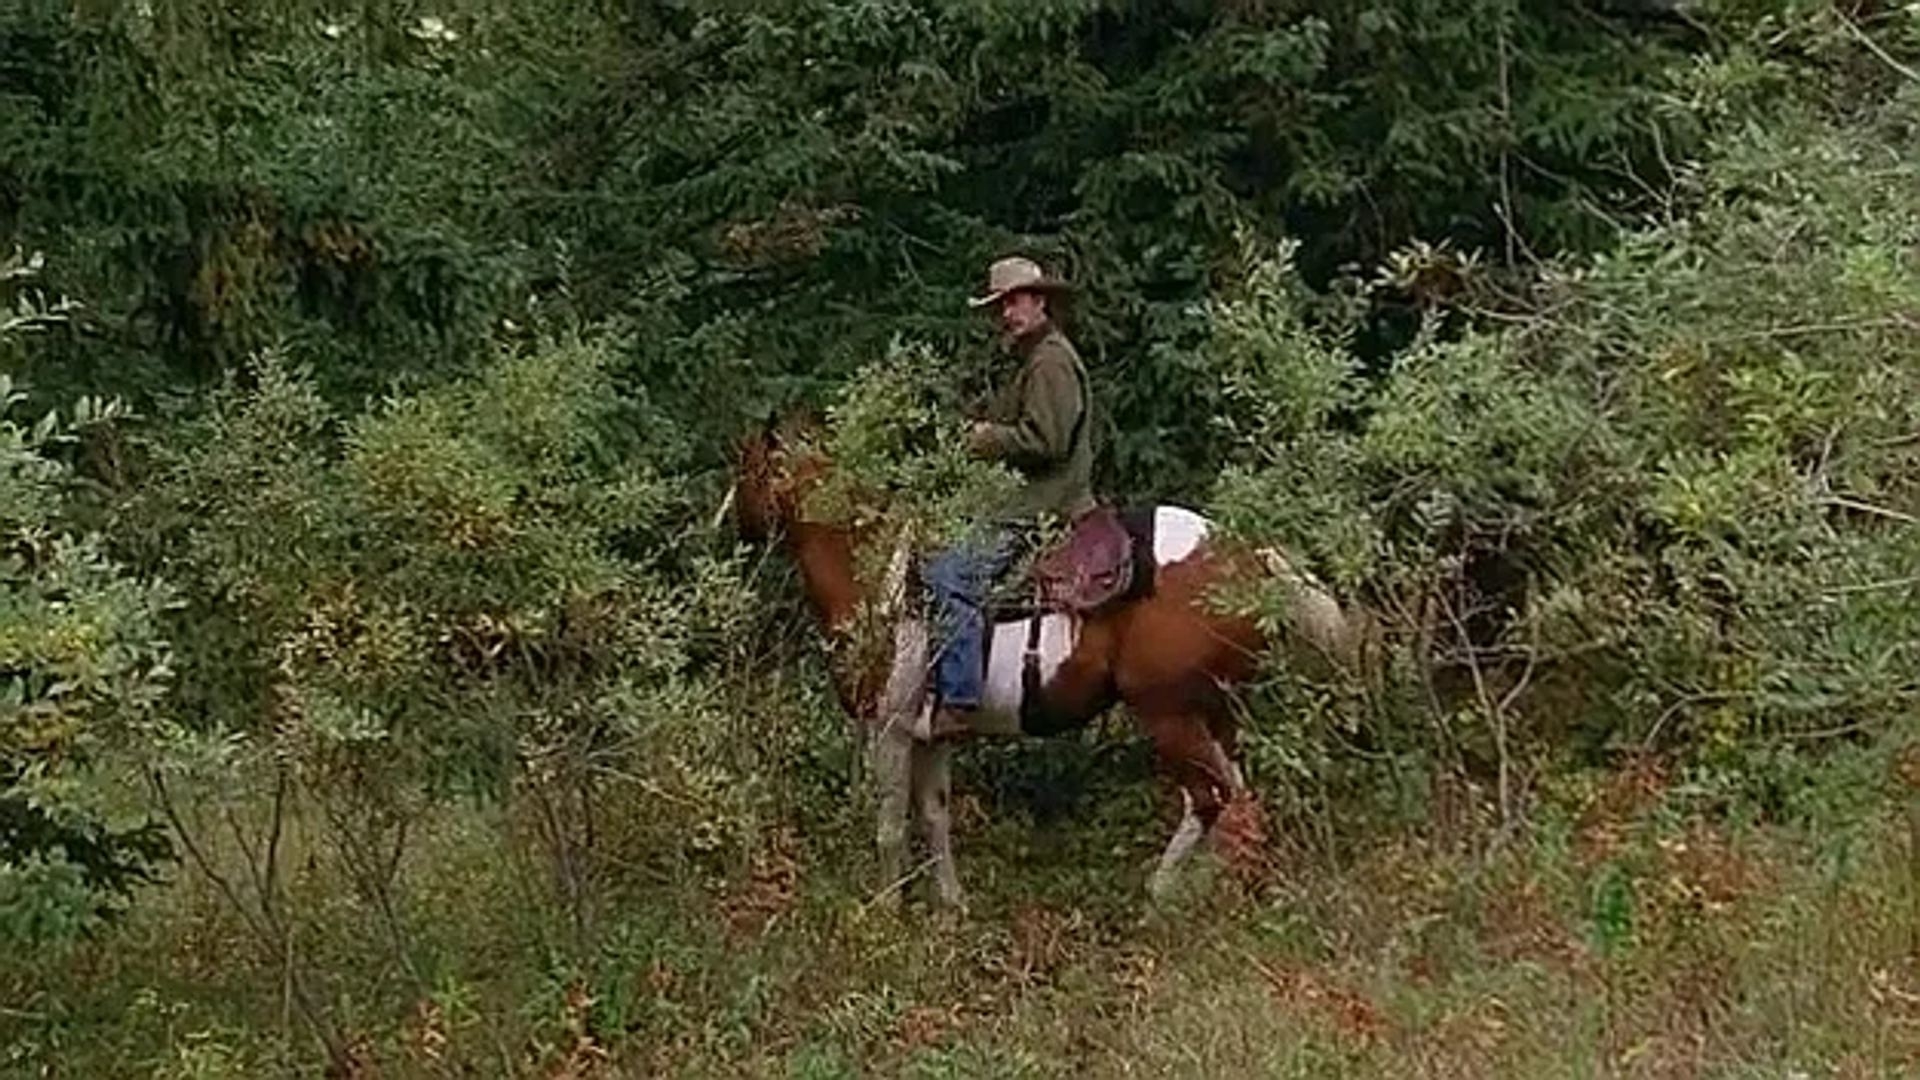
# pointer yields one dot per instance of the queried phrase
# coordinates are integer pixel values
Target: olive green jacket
(1041, 424)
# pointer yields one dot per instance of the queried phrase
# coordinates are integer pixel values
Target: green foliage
(408, 581)
(1696, 503)
(899, 454)
(781, 191)
(480, 594)
(1574, 339)
(44, 898)
(83, 664)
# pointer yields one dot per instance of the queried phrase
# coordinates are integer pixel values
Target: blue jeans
(959, 578)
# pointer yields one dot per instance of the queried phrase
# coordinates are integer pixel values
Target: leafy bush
(418, 585)
(781, 191)
(1691, 506)
(83, 665)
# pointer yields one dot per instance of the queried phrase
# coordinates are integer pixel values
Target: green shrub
(83, 664)
(1676, 478)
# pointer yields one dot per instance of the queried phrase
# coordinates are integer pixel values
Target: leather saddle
(1089, 567)
(1101, 557)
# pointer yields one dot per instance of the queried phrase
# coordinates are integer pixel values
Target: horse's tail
(1349, 636)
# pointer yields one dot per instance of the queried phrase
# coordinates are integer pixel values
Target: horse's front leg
(891, 753)
(933, 788)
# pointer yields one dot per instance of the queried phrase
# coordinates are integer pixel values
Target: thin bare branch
(1496, 716)
(272, 940)
(1874, 47)
(1869, 508)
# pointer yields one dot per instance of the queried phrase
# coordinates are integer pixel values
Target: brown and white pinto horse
(1163, 652)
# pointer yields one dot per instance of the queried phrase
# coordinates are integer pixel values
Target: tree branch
(1875, 48)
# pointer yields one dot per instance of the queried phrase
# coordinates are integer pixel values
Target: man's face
(1022, 311)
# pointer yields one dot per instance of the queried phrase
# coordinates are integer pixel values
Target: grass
(1630, 931)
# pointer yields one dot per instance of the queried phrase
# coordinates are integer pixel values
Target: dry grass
(1618, 939)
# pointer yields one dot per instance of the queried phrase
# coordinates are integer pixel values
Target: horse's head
(769, 470)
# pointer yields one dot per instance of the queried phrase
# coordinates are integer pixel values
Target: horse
(1162, 650)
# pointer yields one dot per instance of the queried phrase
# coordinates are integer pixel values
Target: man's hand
(980, 437)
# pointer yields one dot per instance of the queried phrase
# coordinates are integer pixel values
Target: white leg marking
(1177, 531)
(1178, 848)
(905, 700)
(1225, 768)
(932, 784)
(892, 752)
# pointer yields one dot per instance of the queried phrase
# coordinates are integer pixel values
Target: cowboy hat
(1013, 274)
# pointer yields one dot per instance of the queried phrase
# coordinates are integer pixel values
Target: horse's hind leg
(1199, 766)
(1185, 836)
(932, 788)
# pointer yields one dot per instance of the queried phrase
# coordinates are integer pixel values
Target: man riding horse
(1040, 425)
(1115, 620)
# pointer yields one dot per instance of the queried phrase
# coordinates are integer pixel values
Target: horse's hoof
(1167, 892)
(1160, 888)
(950, 899)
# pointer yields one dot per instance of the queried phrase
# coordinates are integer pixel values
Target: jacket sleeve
(1043, 434)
